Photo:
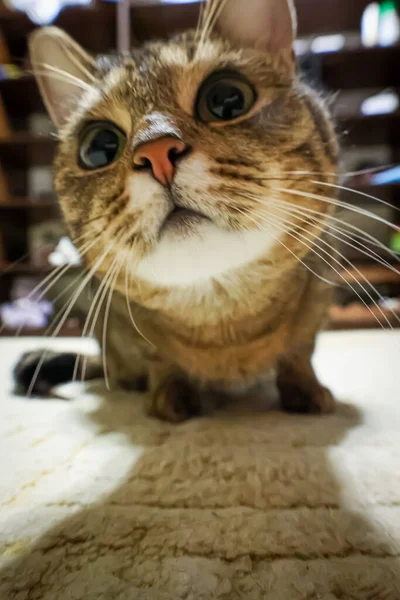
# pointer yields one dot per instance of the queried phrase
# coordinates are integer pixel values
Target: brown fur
(228, 332)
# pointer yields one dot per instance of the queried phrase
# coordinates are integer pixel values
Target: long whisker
(358, 192)
(95, 308)
(113, 278)
(130, 311)
(64, 268)
(97, 301)
(54, 277)
(22, 258)
(212, 12)
(341, 204)
(345, 174)
(342, 236)
(70, 306)
(298, 235)
(200, 21)
(51, 70)
(344, 228)
(347, 261)
(290, 233)
(279, 241)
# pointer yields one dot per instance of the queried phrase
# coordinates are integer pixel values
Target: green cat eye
(224, 96)
(101, 143)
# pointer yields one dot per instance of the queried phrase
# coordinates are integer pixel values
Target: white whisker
(342, 236)
(113, 278)
(341, 204)
(345, 228)
(286, 229)
(358, 192)
(329, 282)
(69, 306)
(130, 311)
(67, 77)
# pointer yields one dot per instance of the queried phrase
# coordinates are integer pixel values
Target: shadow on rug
(243, 505)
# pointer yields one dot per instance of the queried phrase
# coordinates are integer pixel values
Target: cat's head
(173, 158)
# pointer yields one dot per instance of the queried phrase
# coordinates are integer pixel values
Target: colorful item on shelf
(384, 103)
(43, 239)
(370, 25)
(44, 12)
(9, 71)
(65, 254)
(386, 177)
(25, 312)
(389, 23)
(40, 182)
(328, 43)
(380, 24)
(395, 242)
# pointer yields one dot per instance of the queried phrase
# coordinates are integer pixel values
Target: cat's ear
(63, 71)
(264, 24)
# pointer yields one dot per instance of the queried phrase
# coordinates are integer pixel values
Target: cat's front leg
(173, 397)
(299, 388)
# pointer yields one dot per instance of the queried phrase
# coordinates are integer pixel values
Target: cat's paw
(39, 371)
(175, 400)
(314, 400)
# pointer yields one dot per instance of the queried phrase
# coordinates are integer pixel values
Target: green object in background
(389, 23)
(395, 243)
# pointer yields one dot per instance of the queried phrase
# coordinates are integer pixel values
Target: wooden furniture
(95, 27)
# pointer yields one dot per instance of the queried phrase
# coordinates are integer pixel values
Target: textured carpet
(99, 502)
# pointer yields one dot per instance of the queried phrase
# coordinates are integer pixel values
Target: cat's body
(213, 288)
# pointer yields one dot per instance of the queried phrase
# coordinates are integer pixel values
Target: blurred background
(349, 49)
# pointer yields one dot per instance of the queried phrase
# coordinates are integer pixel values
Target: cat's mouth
(181, 220)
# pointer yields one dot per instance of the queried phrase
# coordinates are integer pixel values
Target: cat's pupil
(226, 101)
(103, 148)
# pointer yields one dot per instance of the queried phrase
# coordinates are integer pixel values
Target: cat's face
(172, 158)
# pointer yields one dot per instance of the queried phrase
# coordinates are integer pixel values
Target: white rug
(99, 502)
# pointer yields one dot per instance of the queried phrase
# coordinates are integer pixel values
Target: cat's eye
(224, 96)
(101, 143)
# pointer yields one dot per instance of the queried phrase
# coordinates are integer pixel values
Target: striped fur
(225, 303)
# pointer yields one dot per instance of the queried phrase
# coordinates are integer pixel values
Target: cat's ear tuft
(264, 24)
(64, 71)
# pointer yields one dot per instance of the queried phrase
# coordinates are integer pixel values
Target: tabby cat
(180, 170)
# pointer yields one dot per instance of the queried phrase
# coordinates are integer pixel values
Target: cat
(191, 172)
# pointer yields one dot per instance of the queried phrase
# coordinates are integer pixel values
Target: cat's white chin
(207, 252)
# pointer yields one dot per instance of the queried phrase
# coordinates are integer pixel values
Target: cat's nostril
(177, 152)
(142, 163)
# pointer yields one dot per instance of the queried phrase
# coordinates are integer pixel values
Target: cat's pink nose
(160, 156)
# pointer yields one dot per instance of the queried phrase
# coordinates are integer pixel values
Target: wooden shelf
(92, 26)
(23, 203)
(24, 269)
(358, 316)
(18, 204)
(24, 149)
(369, 130)
(365, 67)
(21, 96)
(375, 274)
(30, 332)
